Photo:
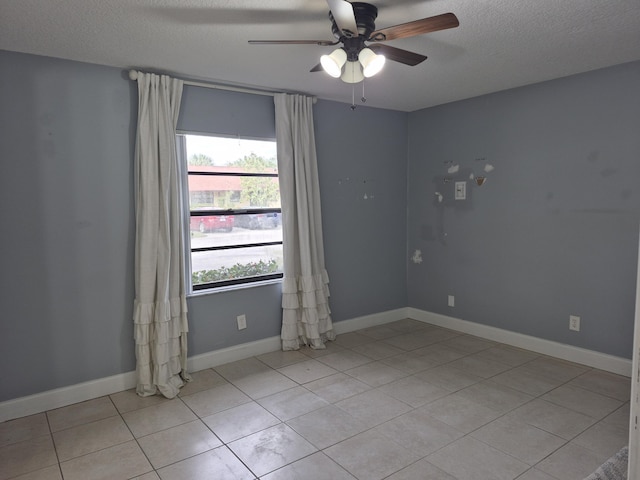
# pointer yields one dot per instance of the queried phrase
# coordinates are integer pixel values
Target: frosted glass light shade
(332, 64)
(371, 63)
(352, 73)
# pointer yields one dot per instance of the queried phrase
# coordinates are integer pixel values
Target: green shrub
(238, 270)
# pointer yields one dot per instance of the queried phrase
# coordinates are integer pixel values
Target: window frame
(187, 214)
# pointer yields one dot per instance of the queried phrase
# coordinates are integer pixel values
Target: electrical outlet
(242, 321)
(451, 301)
(574, 323)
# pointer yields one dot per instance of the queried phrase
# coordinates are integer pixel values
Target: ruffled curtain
(160, 309)
(306, 317)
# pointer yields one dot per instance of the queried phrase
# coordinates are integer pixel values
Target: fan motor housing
(365, 14)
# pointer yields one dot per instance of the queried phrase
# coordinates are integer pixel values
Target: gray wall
(67, 214)
(554, 230)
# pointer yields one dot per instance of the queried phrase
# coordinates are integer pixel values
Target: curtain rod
(133, 75)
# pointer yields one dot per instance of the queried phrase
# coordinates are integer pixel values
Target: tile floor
(401, 401)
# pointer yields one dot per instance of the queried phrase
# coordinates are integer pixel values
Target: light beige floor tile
(377, 350)
(352, 339)
(418, 432)
(437, 334)
(90, 437)
(202, 380)
(422, 470)
(407, 325)
(215, 400)
(440, 354)
(240, 421)
(480, 366)
(337, 387)
(25, 428)
(147, 476)
(48, 473)
(469, 343)
(27, 456)
(121, 461)
(620, 417)
(266, 383)
(525, 381)
(603, 438)
(410, 341)
(327, 426)
(342, 361)
(307, 371)
(329, 348)
(379, 332)
(373, 407)
(218, 464)
(280, 359)
(495, 396)
(270, 449)
(552, 418)
(460, 413)
(413, 391)
(471, 459)
(371, 456)
(409, 362)
(508, 355)
(129, 400)
(376, 374)
(525, 442)
(314, 467)
(605, 383)
(448, 377)
(571, 462)
(178, 443)
(554, 369)
(534, 474)
(79, 413)
(158, 417)
(583, 401)
(242, 368)
(292, 403)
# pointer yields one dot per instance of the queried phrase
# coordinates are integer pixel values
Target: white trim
(60, 397)
(80, 392)
(372, 320)
(634, 433)
(602, 361)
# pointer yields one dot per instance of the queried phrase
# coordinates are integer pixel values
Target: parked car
(212, 223)
(255, 221)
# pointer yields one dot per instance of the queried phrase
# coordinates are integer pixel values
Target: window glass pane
(225, 192)
(237, 263)
(221, 230)
(235, 154)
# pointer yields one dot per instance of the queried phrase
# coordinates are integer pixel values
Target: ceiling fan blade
(417, 27)
(292, 42)
(398, 55)
(344, 17)
(317, 68)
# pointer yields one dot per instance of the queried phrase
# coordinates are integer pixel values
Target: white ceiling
(499, 44)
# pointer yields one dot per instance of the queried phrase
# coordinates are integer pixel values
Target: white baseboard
(602, 361)
(60, 397)
(80, 392)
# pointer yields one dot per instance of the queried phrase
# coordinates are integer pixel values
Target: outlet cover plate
(574, 323)
(242, 322)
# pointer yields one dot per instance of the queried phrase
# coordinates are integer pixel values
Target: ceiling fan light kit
(333, 63)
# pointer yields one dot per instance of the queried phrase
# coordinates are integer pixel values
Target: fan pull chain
(363, 99)
(353, 96)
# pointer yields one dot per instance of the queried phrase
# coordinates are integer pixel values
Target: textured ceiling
(499, 44)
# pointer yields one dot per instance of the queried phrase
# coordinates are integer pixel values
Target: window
(235, 222)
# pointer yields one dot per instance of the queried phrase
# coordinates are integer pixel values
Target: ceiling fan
(353, 24)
